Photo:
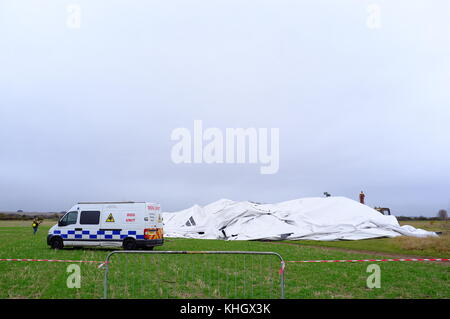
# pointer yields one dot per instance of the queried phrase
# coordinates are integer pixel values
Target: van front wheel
(129, 244)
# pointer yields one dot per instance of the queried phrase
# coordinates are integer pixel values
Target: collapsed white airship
(330, 218)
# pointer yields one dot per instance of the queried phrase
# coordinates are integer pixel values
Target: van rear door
(153, 211)
(154, 229)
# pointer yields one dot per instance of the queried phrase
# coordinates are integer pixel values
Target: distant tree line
(442, 215)
(416, 218)
(15, 216)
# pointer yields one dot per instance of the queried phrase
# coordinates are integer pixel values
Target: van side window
(69, 219)
(90, 218)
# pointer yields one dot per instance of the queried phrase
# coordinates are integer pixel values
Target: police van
(131, 225)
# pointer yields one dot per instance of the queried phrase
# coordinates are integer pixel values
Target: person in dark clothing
(362, 197)
(35, 225)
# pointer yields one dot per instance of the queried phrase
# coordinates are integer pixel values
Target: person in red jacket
(362, 196)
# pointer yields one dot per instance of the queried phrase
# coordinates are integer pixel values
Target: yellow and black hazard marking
(110, 218)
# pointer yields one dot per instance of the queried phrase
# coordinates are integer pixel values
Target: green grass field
(410, 246)
(200, 276)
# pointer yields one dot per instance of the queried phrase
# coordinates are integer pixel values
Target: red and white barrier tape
(57, 261)
(283, 264)
(366, 260)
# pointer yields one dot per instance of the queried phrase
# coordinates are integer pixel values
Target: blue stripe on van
(101, 234)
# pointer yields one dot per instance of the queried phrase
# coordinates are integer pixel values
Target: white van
(128, 224)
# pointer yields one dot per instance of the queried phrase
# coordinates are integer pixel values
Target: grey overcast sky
(87, 113)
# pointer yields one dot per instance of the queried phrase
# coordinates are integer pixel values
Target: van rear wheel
(57, 243)
(129, 244)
